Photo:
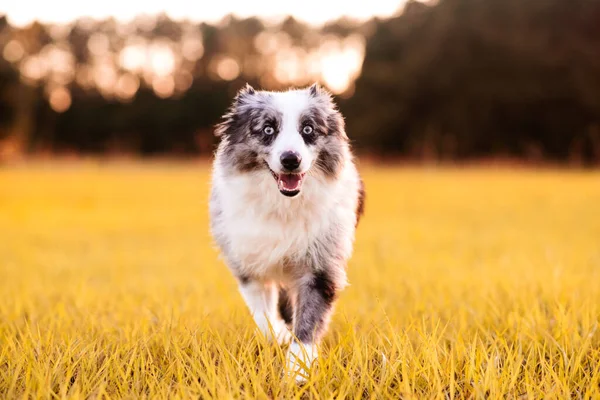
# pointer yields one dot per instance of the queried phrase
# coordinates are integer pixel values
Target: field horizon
(466, 282)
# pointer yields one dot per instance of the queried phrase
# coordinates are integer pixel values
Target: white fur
(261, 299)
(289, 139)
(300, 359)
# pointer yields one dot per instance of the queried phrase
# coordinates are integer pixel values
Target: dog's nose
(290, 160)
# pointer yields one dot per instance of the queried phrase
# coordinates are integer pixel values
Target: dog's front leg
(316, 293)
(261, 298)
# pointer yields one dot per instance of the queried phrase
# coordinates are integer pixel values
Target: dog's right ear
(244, 93)
(240, 98)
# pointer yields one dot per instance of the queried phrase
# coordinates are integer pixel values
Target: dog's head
(291, 135)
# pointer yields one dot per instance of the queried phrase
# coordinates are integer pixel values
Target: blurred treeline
(151, 86)
(480, 78)
(457, 79)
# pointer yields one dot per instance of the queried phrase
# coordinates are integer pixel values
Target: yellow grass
(465, 284)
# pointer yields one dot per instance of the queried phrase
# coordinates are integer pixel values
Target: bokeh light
(13, 51)
(60, 99)
(164, 86)
(227, 68)
(23, 13)
(127, 86)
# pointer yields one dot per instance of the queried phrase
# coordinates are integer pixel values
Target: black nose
(290, 160)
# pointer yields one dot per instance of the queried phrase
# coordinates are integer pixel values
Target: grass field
(464, 284)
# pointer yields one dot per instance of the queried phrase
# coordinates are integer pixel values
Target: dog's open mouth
(288, 184)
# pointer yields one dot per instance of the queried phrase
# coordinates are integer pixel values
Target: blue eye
(307, 130)
(268, 130)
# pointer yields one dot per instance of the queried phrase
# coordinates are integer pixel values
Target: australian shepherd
(285, 201)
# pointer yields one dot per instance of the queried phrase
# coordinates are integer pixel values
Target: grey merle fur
(313, 307)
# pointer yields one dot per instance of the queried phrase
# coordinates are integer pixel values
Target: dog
(286, 198)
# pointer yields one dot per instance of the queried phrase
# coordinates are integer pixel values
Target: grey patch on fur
(246, 160)
(285, 306)
(329, 128)
(317, 290)
(330, 160)
(243, 145)
(248, 113)
(315, 117)
(336, 125)
(314, 306)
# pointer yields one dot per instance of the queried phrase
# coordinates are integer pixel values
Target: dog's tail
(360, 208)
(286, 307)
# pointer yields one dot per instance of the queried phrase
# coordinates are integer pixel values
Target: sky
(23, 12)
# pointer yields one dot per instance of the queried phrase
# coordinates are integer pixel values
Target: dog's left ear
(317, 90)
(320, 93)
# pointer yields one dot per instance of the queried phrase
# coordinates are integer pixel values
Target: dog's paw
(277, 331)
(300, 359)
(284, 336)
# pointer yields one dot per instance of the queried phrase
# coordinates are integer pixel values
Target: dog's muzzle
(289, 184)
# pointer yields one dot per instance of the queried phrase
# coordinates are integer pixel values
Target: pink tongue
(290, 181)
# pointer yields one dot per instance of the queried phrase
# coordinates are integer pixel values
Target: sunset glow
(118, 69)
(21, 13)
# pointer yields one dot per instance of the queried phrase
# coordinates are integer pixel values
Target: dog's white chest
(263, 228)
(262, 242)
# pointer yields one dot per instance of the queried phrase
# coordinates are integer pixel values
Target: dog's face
(291, 135)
